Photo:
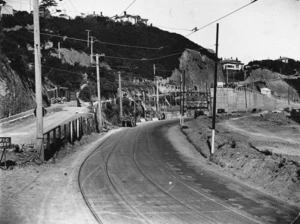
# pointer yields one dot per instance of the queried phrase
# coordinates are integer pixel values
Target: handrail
(68, 131)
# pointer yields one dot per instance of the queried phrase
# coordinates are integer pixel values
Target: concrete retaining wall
(243, 99)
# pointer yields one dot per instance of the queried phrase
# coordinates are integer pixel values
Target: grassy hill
(17, 45)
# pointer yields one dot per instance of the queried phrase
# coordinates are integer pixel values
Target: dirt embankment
(239, 154)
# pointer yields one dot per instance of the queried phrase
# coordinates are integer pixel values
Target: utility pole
(227, 76)
(99, 95)
(183, 84)
(157, 97)
(29, 6)
(246, 98)
(180, 98)
(59, 54)
(288, 96)
(92, 42)
(215, 94)
(38, 82)
(88, 37)
(120, 95)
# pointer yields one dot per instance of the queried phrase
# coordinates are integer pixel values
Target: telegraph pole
(154, 71)
(38, 82)
(88, 37)
(120, 95)
(215, 94)
(183, 84)
(99, 94)
(59, 55)
(157, 96)
(180, 99)
(288, 96)
(92, 42)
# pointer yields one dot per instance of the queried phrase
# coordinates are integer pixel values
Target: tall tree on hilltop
(48, 3)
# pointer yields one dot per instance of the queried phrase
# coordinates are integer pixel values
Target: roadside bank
(247, 158)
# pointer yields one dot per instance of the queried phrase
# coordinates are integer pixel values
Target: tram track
(171, 173)
(160, 188)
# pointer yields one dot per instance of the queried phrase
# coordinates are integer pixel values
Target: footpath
(23, 131)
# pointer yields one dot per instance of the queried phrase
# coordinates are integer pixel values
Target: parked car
(198, 113)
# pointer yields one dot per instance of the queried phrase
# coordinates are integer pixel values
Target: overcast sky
(262, 30)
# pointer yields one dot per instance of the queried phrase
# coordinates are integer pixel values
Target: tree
(48, 3)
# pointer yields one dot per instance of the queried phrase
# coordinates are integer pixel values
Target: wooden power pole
(38, 82)
(99, 95)
(183, 90)
(215, 94)
(88, 37)
(92, 50)
(120, 95)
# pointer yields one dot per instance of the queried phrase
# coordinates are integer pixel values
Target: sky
(266, 29)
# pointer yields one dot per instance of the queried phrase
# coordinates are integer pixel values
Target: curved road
(136, 176)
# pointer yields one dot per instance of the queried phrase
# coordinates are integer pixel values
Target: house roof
(283, 58)
(227, 61)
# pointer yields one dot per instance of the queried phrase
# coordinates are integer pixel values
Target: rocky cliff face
(199, 70)
(15, 94)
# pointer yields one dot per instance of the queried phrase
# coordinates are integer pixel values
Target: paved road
(136, 176)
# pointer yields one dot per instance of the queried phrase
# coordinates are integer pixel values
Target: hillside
(73, 68)
(280, 85)
(15, 94)
(281, 75)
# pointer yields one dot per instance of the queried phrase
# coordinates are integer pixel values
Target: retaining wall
(243, 99)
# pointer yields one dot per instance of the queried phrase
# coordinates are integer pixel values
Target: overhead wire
(128, 6)
(171, 28)
(102, 42)
(197, 29)
(143, 47)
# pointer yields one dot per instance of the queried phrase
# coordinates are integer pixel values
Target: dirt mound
(270, 172)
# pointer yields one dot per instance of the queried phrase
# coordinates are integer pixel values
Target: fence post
(78, 129)
(54, 136)
(81, 132)
(48, 140)
(65, 130)
(71, 131)
(59, 132)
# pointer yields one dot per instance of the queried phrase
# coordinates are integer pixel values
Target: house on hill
(6, 10)
(131, 19)
(231, 64)
(284, 59)
(233, 68)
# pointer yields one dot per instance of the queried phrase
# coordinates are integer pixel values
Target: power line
(123, 58)
(170, 28)
(197, 29)
(62, 70)
(132, 46)
(102, 42)
(128, 6)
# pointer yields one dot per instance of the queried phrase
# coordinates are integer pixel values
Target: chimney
(124, 13)
(94, 12)
(101, 14)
